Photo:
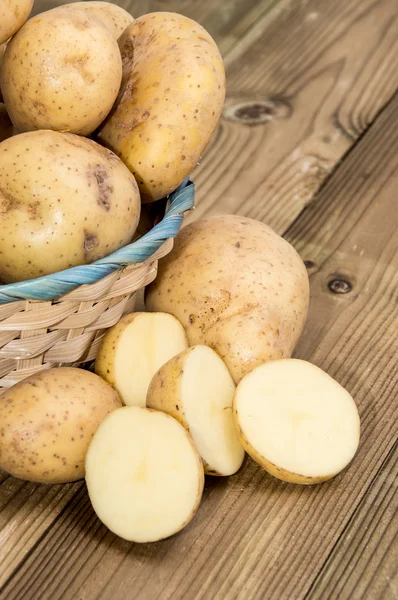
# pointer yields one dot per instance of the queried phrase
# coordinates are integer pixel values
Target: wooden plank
(26, 510)
(364, 562)
(255, 537)
(325, 69)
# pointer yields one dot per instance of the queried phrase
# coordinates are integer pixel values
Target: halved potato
(295, 421)
(196, 388)
(135, 348)
(144, 476)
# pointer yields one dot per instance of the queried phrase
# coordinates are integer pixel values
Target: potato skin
(64, 201)
(48, 420)
(13, 14)
(112, 16)
(2, 50)
(170, 100)
(236, 286)
(71, 79)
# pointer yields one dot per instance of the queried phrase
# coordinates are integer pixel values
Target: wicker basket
(61, 318)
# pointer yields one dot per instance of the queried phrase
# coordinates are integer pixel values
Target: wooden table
(309, 145)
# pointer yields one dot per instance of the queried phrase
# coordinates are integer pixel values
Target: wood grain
(364, 562)
(255, 537)
(26, 511)
(323, 85)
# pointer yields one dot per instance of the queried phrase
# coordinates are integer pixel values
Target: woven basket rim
(57, 284)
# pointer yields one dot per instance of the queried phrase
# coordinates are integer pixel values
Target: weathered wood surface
(319, 74)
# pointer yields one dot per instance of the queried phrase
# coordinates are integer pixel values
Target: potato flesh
(145, 345)
(296, 417)
(144, 476)
(207, 391)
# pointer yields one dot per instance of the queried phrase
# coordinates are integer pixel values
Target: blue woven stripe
(57, 284)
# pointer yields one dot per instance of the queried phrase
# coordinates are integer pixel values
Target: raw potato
(196, 388)
(170, 101)
(112, 16)
(134, 349)
(144, 476)
(296, 421)
(47, 422)
(13, 14)
(237, 287)
(64, 201)
(6, 127)
(2, 50)
(69, 81)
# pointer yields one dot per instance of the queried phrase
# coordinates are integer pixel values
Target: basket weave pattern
(67, 330)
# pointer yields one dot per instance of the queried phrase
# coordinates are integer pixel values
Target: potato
(64, 201)
(69, 81)
(13, 14)
(196, 388)
(134, 349)
(144, 476)
(112, 16)
(2, 50)
(235, 286)
(296, 421)
(170, 101)
(6, 127)
(47, 422)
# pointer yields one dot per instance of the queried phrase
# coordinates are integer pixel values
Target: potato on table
(196, 388)
(236, 286)
(112, 16)
(69, 81)
(47, 422)
(13, 14)
(295, 421)
(64, 201)
(144, 476)
(134, 349)
(170, 101)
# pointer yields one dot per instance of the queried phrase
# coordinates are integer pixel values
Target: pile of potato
(147, 92)
(185, 389)
(203, 376)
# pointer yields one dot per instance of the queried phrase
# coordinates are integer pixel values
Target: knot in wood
(256, 112)
(339, 286)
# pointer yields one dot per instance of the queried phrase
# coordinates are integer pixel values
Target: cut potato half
(296, 421)
(144, 476)
(134, 349)
(196, 388)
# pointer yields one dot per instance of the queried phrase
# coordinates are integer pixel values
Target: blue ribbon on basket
(55, 285)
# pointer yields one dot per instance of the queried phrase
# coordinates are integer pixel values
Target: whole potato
(112, 16)
(13, 14)
(64, 201)
(236, 286)
(47, 422)
(170, 101)
(67, 82)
